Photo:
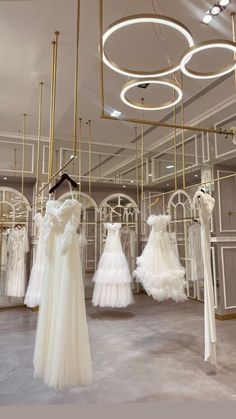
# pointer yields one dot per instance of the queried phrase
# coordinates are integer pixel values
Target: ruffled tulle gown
(62, 350)
(33, 293)
(112, 280)
(158, 268)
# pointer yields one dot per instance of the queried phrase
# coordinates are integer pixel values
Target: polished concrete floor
(148, 352)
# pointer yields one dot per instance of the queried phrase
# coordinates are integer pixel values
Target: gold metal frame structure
(75, 123)
(23, 154)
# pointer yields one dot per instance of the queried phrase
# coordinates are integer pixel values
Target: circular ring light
(136, 105)
(147, 18)
(208, 45)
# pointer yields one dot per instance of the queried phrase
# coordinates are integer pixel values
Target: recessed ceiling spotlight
(207, 18)
(224, 3)
(5, 178)
(150, 174)
(170, 166)
(131, 181)
(116, 113)
(167, 184)
(72, 155)
(78, 183)
(215, 10)
(124, 186)
(195, 175)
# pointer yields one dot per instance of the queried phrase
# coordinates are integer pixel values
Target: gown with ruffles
(112, 280)
(33, 293)
(62, 350)
(158, 268)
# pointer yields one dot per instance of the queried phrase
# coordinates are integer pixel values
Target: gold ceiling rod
(39, 134)
(75, 103)
(23, 155)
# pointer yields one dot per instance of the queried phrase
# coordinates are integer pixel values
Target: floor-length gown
(17, 246)
(112, 280)
(62, 350)
(206, 203)
(33, 293)
(158, 268)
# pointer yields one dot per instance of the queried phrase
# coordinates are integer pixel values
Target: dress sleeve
(70, 230)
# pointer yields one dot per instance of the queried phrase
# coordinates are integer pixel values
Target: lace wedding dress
(112, 279)
(62, 351)
(17, 246)
(33, 293)
(158, 268)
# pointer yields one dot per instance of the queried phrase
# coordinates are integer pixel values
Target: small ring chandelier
(149, 76)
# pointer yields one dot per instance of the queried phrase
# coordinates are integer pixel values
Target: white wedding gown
(112, 280)
(33, 293)
(17, 247)
(62, 350)
(158, 268)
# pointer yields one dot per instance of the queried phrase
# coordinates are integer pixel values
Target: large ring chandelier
(147, 18)
(136, 105)
(207, 45)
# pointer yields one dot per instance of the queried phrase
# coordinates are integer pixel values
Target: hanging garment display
(62, 350)
(82, 249)
(195, 251)
(132, 250)
(3, 246)
(17, 247)
(174, 243)
(125, 242)
(112, 280)
(33, 293)
(206, 203)
(158, 268)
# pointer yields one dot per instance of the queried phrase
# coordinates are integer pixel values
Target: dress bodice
(62, 219)
(158, 222)
(112, 228)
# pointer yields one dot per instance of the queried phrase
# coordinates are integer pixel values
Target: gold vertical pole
(234, 39)
(101, 55)
(39, 137)
(183, 139)
(53, 102)
(142, 154)
(23, 155)
(14, 160)
(175, 150)
(51, 129)
(76, 81)
(57, 159)
(137, 180)
(80, 154)
(90, 156)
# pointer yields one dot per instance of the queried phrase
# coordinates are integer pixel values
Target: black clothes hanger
(64, 177)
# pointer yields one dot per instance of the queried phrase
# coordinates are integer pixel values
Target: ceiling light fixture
(137, 19)
(224, 3)
(208, 45)
(215, 10)
(116, 113)
(170, 166)
(135, 105)
(124, 186)
(207, 18)
(150, 174)
(5, 178)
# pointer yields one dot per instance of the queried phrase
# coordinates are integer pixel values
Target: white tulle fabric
(112, 279)
(206, 203)
(33, 293)
(62, 351)
(158, 268)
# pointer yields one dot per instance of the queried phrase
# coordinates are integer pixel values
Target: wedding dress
(82, 241)
(17, 246)
(33, 293)
(195, 252)
(62, 351)
(158, 268)
(112, 279)
(3, 238)
(206, 203)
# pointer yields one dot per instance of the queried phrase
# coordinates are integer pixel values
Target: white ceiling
(26, 32)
